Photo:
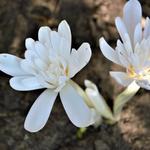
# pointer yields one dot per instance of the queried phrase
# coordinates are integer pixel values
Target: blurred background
(89, 20)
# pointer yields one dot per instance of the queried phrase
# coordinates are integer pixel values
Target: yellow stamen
(132, 73)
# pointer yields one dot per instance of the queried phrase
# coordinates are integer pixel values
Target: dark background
(89, 20)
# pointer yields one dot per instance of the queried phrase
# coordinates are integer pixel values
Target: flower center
(55, 74)
(131, 71)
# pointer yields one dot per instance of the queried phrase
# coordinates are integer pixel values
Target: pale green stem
(123, 98)
(80, 132)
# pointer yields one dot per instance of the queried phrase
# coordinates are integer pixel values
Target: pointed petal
(40, 111)
(25, 83)
(79, 59)
(44, 35)
(64, 30)
(10, 64)
(108, 52)
(121, 28)
(121, 78)
(147, 28)
(138, 34)
(77, 110)
(132, 14)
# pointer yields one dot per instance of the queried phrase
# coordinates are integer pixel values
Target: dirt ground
(89, 20)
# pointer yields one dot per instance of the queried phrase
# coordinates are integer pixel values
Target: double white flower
(133, 52)
(50, 63)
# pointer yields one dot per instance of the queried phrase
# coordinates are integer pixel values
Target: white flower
(133, 52)
(50, 63)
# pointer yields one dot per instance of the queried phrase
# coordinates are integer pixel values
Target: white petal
(29, 43)
(97, 100)
(79, 59)
(10, 64)
(27, 66)
(40, 65)
(122, 54)
(108, 52)
(78, 112)
(25, 83)
(120, 46)
(30, 54)
(40, 111)
(123, 60)
(138, 34)
(41, 51)
(144, 84)
(135, 60)
(44, 35)
(132, 14)
(42, 78)
(55, 40)
(35, 49)
(121, 28)
(128, 44)
(147, 28)
(121, 78)
(64, 48)
(64, 30)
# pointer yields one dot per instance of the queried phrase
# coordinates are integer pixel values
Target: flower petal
(147, 28)
(55, 40)
(40, 111)
(121, 78)
(138, 34)
(128, 44)
(10, 64)
(97, 100)
(27, 66)
(77, 110)
(25, 83)
(44, 35)
(145, 83)
(29, 43)
(121, 28)
(64, 48)
(30, 55)
(122, 53)
(108, 52)
(41, 51)
(132, 14)
(64, 31)
(79, 59)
